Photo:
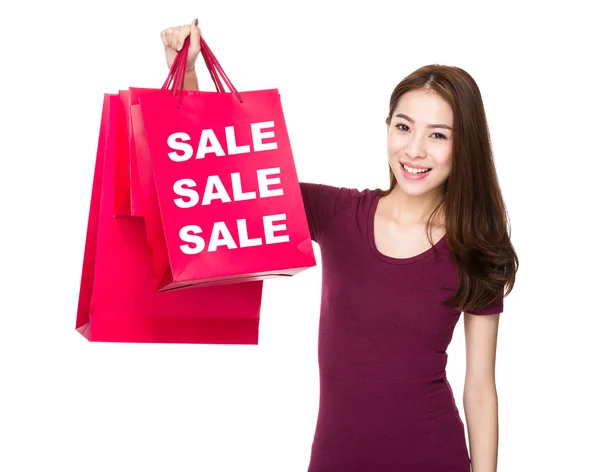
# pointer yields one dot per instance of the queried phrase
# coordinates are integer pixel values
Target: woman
(399, 267)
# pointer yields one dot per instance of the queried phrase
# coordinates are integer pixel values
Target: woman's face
(420, 138)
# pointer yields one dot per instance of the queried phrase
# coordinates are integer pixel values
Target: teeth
(414, 171)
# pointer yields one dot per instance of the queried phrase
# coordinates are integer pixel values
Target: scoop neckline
(394, 260)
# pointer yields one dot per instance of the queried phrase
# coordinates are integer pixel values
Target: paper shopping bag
(117, 300)
(228, 201)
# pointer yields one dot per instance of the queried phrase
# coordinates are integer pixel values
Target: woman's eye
(403, 127)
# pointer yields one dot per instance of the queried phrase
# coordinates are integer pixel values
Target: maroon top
(385, 403)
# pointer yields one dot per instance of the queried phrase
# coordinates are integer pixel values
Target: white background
(67, 404)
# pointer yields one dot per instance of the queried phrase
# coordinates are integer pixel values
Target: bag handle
(218, 68)
(176, 76)
(177, 69)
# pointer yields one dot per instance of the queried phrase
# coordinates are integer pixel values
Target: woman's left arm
(480, 399)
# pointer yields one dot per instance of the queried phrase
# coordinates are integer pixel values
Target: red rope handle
(178, 69)
(219, 68)
(175, 79)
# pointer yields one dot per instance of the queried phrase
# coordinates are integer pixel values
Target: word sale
(209, 143)
(215, 190)
(221, 236)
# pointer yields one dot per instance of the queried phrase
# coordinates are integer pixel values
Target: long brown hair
(477, 223)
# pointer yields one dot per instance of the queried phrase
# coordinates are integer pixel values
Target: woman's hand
(173, 39)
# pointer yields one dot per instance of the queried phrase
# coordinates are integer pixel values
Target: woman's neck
(409, 210)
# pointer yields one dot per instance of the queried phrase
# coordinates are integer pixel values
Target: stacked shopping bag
(195, 202)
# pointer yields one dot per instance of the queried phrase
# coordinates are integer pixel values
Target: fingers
(165, 36)
(174, 37)
(184, 32)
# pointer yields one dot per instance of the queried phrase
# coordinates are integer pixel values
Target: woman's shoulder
(335, 197)
(338, 192)
(325, 202)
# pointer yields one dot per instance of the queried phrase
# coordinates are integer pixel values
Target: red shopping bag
(228, 198)
(117, 300)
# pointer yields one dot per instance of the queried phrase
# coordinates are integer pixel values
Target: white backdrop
(70, 405)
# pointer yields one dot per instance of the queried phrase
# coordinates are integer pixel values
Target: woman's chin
(416, 187)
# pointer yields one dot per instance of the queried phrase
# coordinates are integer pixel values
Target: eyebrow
(410, 120)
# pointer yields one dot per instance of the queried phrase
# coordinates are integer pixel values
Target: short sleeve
(322, 203)
(497, 306)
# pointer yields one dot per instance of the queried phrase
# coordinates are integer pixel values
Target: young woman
(399, 268)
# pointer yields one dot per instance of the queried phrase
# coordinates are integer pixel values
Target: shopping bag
(117, 300)
(228, 197)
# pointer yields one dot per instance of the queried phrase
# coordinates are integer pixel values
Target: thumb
(195, 35)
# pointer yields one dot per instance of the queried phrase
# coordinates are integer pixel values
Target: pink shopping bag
(227, 198)
(117, 300)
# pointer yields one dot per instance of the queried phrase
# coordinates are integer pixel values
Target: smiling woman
(437, 121)
(399, 268)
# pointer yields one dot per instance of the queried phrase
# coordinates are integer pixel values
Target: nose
(414, 148)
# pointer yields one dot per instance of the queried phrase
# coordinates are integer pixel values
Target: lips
(415, 175)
